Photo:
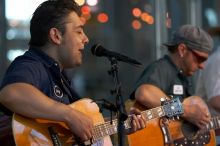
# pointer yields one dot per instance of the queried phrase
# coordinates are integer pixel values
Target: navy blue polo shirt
(38, 69)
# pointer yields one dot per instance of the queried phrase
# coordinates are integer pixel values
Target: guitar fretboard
(111, 127)
(214, 123)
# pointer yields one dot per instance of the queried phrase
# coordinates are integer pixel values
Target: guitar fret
(215, 123)
(154, 113)
(96, 132)
(218, 121)
(149, 114)
(115, 125)
(160, 112)
(127, 123)
(111, 128)
(211, 124)
(105, 129)
(100, 131)
(112, 131)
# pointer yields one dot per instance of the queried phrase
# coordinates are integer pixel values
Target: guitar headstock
(172, 107)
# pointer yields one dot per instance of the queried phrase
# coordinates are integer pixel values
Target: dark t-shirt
(38, 69)
(164, 74)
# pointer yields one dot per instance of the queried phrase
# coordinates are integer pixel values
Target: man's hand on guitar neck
(196, 111)
(138, 121)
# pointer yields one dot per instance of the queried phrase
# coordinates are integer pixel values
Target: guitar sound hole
(189, 130)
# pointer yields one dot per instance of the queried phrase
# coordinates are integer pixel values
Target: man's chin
(78, 64)
(74, 65)
(190, 73)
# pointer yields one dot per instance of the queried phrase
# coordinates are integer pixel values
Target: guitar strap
(70, 92)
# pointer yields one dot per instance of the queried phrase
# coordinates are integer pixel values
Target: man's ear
(55, 36)
(182, 49)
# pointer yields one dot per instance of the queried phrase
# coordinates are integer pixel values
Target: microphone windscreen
(97, 50)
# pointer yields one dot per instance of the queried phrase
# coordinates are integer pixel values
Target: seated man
(172, 74)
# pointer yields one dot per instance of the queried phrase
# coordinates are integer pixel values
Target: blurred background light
(85, 10)
(14, 11)
(13, 53)
(92, 2)
(102, 17)
(136, 12)
(136, 24)
(211, 17)
(80, 2)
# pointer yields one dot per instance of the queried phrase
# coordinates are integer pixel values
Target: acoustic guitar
(39, 132)
(161, 132)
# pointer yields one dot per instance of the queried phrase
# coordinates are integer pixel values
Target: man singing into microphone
(35, 84)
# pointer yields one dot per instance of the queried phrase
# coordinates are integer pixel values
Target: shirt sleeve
(153, 75)
(23, 72)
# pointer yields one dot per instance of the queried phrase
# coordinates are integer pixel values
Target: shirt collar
(178, 70)
(41, 56)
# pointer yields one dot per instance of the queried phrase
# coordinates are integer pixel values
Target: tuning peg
(162, 100)
(178, 118)
(173, 118)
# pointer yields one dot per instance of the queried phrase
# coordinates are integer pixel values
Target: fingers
(138, 122)
(88, 133)
(81, 126)
(135, 111)
(142, 121)
(85, 135)
(205, 119)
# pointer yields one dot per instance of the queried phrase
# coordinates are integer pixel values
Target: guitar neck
(111, 127)
(214, 123)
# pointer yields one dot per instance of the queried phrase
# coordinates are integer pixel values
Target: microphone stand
(121, 113)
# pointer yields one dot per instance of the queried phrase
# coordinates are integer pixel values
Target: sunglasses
(199, 58)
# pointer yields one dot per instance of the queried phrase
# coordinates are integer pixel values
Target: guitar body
(149, 136)
(184, 133)
(174, 133)
(39, 132)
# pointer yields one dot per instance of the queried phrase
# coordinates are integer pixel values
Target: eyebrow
(80, 26)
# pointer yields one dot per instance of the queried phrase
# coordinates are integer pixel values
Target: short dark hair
(49, 14)
(172, 49)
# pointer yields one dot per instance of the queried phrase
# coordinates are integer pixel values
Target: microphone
(100, 51)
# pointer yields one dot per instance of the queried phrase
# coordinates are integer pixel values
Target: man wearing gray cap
(172, 74)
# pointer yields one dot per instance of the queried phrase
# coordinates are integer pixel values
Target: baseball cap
(193, 36)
